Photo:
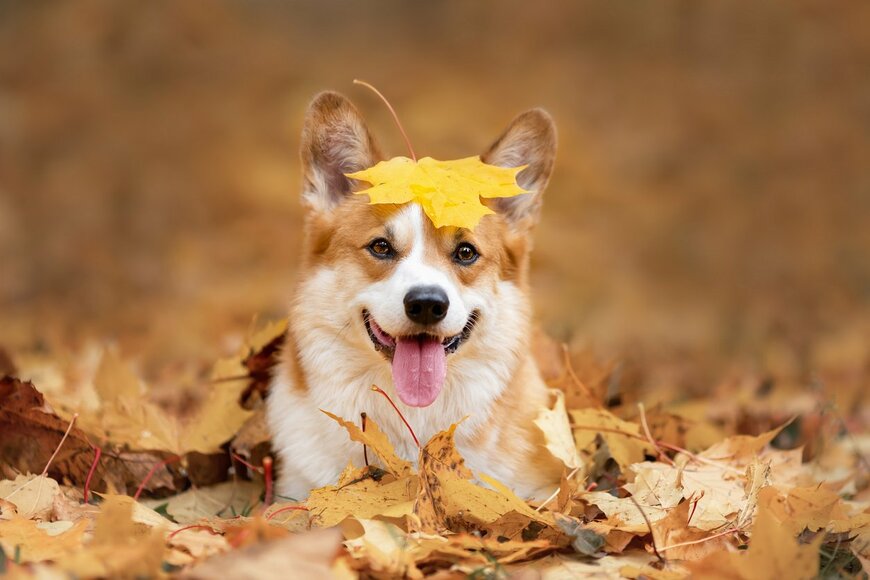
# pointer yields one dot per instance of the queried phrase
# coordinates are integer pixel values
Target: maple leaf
(374, 438)
(448, 191)
(774, 552)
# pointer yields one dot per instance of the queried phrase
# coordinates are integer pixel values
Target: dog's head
(385, 279)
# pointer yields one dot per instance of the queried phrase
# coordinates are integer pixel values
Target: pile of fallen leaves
(101, 481)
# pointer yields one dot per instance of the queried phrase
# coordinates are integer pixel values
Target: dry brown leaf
(30, 431)
(624, 439)
(253, 437)
(740, 450)
(676, 539)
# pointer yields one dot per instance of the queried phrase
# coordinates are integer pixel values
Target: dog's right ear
(335, 141)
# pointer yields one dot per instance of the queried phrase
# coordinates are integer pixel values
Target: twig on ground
(649, 525)
(653, 442)
(98, 452)
(363, 416)
(268, 480)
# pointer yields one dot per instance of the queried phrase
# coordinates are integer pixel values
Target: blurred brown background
(710, 202)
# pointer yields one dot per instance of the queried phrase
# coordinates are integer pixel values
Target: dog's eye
(465, 254)
(381, 248)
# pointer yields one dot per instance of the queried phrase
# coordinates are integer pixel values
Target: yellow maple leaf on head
(448, 191)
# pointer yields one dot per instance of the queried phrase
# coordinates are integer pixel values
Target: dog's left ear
(529, 140)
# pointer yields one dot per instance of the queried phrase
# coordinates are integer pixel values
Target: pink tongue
(419, 368)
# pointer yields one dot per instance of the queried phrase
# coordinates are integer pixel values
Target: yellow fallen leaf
(448, 191)
(365, 498)
(35, 543)
(377, 441)
(121, 547)
(463, 498)
(217, 420)
(812, 508)
(136, 423)
(115, 379)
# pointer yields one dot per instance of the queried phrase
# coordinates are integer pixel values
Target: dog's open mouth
(419, 362)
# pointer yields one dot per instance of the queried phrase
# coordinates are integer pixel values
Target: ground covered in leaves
(761, 479)
(703, 250)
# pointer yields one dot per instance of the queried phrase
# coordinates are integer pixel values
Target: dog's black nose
(426, 304)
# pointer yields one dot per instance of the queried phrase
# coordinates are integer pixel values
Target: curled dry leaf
(553, 422)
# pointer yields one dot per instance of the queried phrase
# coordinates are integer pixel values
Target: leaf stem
(649, 525)
(649, 436)
(59, 445)
(377, 389)
(286, 508)
(151, 472)
(247, 464)
(47, 465)
(392, 112)
(701, 541)
(268, 479)
(363, 417)
(210, 529)
(98, 452)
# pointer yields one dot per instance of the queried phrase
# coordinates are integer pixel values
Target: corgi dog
(439, 318)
